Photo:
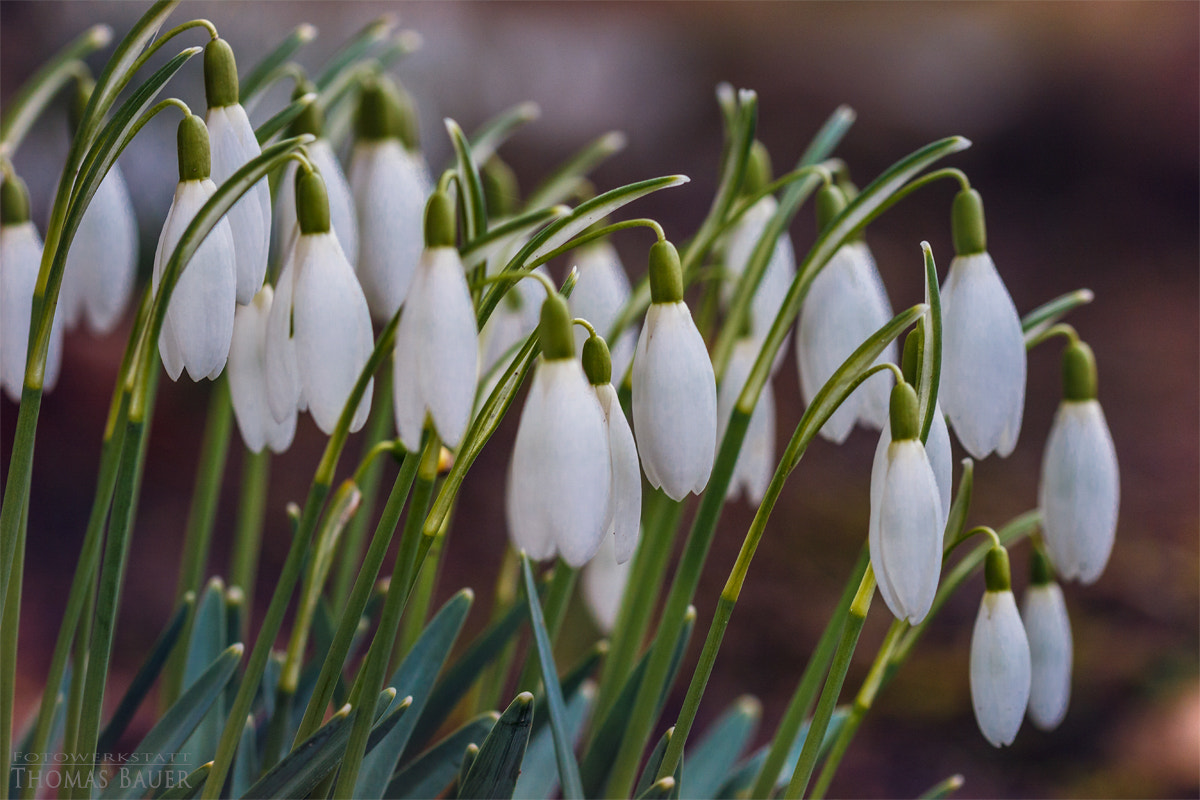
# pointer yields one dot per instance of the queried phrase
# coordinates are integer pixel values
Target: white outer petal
(604, 582)
(983, 358)
(776, 280)
(755, 463)
(20, 260)
(625, 506)
(390, 187)
(282, 374)
(1048, 628)
(906, 545)
(232, 143)
(341, 203)
(601, 291)
(1079, 491)
(1000, 668)
(333, 330)
(508, 325)
(248, 378)
(674, 402)
(559, 479)
(105, 252)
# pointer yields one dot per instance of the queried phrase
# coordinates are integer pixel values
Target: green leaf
(713, 757)
(570, 683)
(539, 770)
(258, 77)
(355, 48)
(568, 769)
(245, 766)
(145, 677)
(57, 723)
(267, 131)
(956, 520)
(430, 773)
(498, 129)
(207, 641)
(494, 772)
(189, 787)
(931, 359)
(175, 726)
(470, 184)
(414, 678)
(499, 239)
(741, 780)
(943, 788)
(569, 177)
(666, 788)
(1037, 321)
(646, 781)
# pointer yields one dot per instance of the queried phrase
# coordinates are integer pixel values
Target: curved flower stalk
(756, 461)
(674, 390)
(20, 258)
(907, 519)
(1000, 663)
(604, 581)
(199, 323)
(319, 329)
(983, 347)
(1079, 493)
(248, 379)
(233, 144)
(601, 291)
(435, 367)
(560, 476)
(845, 304)
(390, 183)
(1044, 613)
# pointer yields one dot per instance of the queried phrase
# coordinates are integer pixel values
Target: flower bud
(597, 362)
(311, 119)
(1044, 613)
(830, 202)
(1079, 372)
(220, 74)
(554, 329)
(14, 201)
(903, 415)
(666, 274)
(439, 221)
(195, 161)
(312, 202)
(967, 224)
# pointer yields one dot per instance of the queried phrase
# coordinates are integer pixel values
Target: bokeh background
(1084, 122)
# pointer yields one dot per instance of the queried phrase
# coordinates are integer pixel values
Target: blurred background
(1084, 122)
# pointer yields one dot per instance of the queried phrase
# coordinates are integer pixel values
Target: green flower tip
(910, 362)
(311, 120)
(1041, 571)
(554, 328)
(220, 74)
(14, 201)
(666, 274)
(830, 202)
(597, 361)
(849, 188)
(312, 202)
(385, 111)
(906, 423)
(967, 223)
(500, 189)
(80, 95)
(1079, 372)
(997, 574)
(758, 169)
(195, 162)
(439, 221)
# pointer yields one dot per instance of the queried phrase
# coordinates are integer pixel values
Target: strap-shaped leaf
(246, 766)
(741, 779)
(415, 679)
(956, 520)
(662, 790)
(280, 120)
(470, 184)
(653, 763)
(1037, 321)
(355, 48)
(569, 176)
(430, 773)
(539, 771)
(568, 768)
(712, 759)
(494, 772)
(257, 78)
(500, 238)
(175, 726)
(570, 683)
(494, 132)
(189, 786)
(207, 641)
(943, 788)
(931, 357)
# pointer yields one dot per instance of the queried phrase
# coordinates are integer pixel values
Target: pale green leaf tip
(235, 596)
(216, 584)
(406, 702)
(100, 35)
(749, 705)
(529, 111)
(613, 141)
(410, 41)
(524, 698)
(237, 650)
(306, 32)
(467, 593)
(690, 614)
(390, 691)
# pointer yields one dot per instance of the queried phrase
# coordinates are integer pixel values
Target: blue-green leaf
(245, 766)
(493, 133)
(430, 773)
(539, 771)
(713, 757)
(470, 184)
(494, 771)
(741, 779)
(189, 786)
(654, 763)
(207, 641)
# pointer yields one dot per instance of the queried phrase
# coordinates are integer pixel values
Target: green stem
(558, 596)
(247, 537)
(9, 628)
(79, 660)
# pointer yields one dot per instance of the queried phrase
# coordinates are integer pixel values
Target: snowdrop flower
(435, 365)
(510, 324)
(199, 322)
(1080, 486)
(906, 523)
(1000, 663)
(320, 153)
(560, 476)
(20, 260)
(319, 329)
(601, 291)
(248, 379)
(390, 182)
(674, 390)
(845, 304)
(625, 499)
(233, 144)
(1044, 613)
(604, 581)
(983, 347)
(756, 461)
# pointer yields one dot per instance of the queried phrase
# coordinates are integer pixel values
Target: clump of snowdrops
(414, 310)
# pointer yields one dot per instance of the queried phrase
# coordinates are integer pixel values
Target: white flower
(756, 461)
(248, 379)
(845, 304)
(1079, 491)
(674, 401)
(604, 581)
(983, 358)
(559, 479)
(601, 291)
(780, 270)
(625, 498)
(233, 144)
(102, 262)
(284, 394)
(1044, 613)
(20, 259)
(937, 449)
(199, 322)
(436, 356)
(1000, 668)
(341, 204)
(390, 186)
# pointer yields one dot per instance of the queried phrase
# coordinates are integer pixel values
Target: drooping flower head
(601, 291)
(983, 347)
(756, 461)
(1044, 612)
(234, 144)
(248, 378)
(1000, 664)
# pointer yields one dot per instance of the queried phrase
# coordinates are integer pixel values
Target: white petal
(333, 330)
(601, 290)
(776, 280)
(755, 463)
(604, 581)
(983, 358)
(1048, 627)
(103, 255)
(513, 320)
(248, 378)
(232, 143)
(941, 459)
(1000, 668)
(1079, 491)
(390, 187)
(674, 402)
(20, 259)
(626, 502)
(906, 549)
(282, 372)
(341, 203)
